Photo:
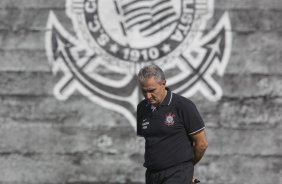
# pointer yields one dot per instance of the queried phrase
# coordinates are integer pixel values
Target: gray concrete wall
(46, 141)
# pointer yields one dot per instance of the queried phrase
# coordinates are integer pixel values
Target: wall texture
(46, 141)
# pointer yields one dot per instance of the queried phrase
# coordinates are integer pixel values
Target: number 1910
(141, 55)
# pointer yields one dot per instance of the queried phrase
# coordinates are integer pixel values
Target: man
(173, 129)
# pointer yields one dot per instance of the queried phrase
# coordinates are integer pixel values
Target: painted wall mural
(115, 38)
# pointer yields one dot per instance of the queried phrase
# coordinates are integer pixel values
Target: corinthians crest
(115, 38)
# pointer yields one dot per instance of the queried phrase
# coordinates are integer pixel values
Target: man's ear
(164, 82)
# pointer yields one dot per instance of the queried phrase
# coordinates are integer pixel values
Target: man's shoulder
(142, 108)
(179, 99)
(143, 103)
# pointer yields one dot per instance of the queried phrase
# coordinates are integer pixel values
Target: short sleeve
(192, 119)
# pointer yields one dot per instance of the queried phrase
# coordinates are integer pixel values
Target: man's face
(153, 91)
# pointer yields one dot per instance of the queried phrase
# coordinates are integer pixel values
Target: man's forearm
(200, 144)
(199, 151)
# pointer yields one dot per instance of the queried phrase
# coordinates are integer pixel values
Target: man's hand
(195, 180)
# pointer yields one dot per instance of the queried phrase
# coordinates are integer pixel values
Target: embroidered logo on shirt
(169, 120)
(145, 124)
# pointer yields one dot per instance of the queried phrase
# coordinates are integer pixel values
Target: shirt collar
(167, 99)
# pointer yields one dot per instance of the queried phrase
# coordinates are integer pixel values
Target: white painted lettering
(94, 27)
(90, 7)
(177, 36)
(103, 39)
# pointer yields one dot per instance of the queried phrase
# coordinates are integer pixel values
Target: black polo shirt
(167, 130)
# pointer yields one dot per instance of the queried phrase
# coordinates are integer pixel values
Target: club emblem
(115, 38)
(169, 119)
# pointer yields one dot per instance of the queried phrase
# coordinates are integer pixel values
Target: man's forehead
(151, 84)
(152, 80)
(148, 87)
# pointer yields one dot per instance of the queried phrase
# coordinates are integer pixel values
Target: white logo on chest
(169, 120)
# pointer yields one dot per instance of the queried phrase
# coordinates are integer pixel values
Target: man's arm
(200, 144)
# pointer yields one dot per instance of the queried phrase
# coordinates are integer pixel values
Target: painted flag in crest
(149, 16)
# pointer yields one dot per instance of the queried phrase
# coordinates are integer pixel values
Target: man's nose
(148, 95)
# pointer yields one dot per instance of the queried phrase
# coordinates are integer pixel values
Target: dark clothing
(166, 130)
(180, 174)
